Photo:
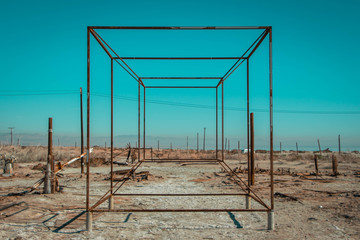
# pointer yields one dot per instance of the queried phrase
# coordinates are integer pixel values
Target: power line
(228, 108)
(14, 93)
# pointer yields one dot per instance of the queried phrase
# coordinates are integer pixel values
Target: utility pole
(197, 142)
(187, 144)
(11, 133)
(204, 140)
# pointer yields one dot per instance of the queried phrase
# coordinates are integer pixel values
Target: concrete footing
(89, 221)
(111, 203)
(271, 223)
(247, 202)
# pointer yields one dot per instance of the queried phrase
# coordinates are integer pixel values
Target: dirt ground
(306, 206)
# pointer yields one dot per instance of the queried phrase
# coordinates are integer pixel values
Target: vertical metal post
(197, 142)
(88, 130)
(82, 132)
(297, 149)
(238, 146)
(280, 147)
(222, 122)
(252, 147)
(217, 147)
(229, 145)
(339, 144)
(144, 146)
(271, 122)
(112, 129)
(187, 144)
(50, 157)
(248, 121)
(139, 121)
(204, 140)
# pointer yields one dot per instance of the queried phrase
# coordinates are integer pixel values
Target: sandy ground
(327, 207)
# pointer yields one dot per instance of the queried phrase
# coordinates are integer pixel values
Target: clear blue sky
(316, 76)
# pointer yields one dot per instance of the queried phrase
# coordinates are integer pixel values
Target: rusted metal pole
(217, 140)
(222, 122)
(204, 139)
(339, 144)
(319, 145)
(82, 132)
(197, 142)
(271, 226)
(112, 129)
(248, 120)
(144, 128)
(50, 156)
(139, 122)
(88, 130)
(252, 162)
(11, 135)
(280, 147)
(187, 144)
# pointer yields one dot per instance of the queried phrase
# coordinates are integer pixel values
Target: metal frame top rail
(180, 28)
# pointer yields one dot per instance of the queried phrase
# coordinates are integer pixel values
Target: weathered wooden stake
(316, 164)
(319, 146)
(335, 165)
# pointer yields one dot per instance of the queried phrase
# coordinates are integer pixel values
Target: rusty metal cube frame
(248, 191)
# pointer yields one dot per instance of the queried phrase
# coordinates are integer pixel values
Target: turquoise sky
(315, 57)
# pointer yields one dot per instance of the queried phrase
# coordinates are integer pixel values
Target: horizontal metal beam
(179, 58)
(180, 78)
(179, 28)
(180, 210)
(179, 194)
(178, 87)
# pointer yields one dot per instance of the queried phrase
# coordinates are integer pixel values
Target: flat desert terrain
(307, 206)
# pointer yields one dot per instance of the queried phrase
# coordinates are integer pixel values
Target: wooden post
(316, 164)
(252, 153)
(50, 159)
(335, 165)
(319, 146)
(339, 145)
